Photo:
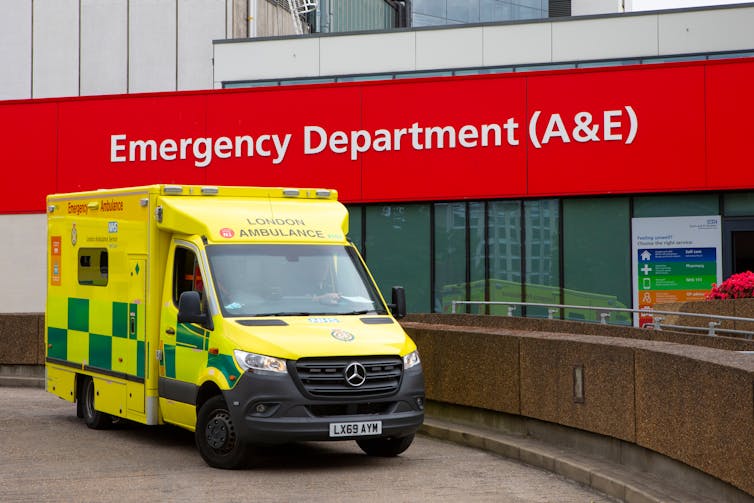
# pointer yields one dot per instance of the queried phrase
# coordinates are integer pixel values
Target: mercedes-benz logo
(355, 374)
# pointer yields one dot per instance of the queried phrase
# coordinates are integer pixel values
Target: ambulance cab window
(93, 266)
(187, 275)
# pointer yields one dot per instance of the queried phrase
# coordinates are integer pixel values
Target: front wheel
(92, 417)
(385, 446)
(216, 436)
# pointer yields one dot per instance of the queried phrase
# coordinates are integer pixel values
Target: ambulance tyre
(92, 417)
(216, 436)
(386, 447)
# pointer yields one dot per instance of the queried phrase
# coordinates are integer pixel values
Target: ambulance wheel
(216, 436)
(92, 417)
(385, 447)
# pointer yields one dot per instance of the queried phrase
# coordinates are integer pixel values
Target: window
(597, 257)
(93, 266)
(291, 279)
(504, 220)
(187, 274)
(398, 251)
(542, 224)
(677, 205)
(450, 255)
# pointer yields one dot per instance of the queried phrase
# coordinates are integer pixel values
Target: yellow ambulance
(242, 314)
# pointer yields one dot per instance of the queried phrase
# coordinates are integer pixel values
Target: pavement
(632, 484)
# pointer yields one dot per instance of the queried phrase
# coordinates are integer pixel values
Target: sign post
(675, 259)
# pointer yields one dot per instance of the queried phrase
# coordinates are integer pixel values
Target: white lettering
(358, 147)
(486, 129)
(280, 148)
(116, 147)
(555, 128)
(261, 150)
(202, 152)
(468, 136)
(142, 147)
(338, 142)
(223, 147)
(609, 125)
(308, 142)
(511, 126)
(168, 148)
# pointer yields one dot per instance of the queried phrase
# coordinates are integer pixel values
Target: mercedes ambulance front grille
(326, 377)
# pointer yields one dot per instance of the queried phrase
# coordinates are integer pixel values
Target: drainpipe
(251, 18)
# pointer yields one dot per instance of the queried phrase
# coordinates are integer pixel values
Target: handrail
(604, 313)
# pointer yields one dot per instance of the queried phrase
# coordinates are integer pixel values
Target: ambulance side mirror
(398, 306)
(190, 309)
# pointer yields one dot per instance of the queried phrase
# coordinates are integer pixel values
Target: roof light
(51, 208)
(173, 189)
(323, 193)
(143, 201)
(210, 191)
(291, 192)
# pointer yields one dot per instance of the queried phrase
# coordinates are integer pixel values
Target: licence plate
(358, 429)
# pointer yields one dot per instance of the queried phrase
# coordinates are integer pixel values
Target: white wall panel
(448, 48)
(152, 46)
(295, 57)
(104, 51)
(589, 7)
(517, 44)
(24, 262)
(367, 54)
(56, 48)
(15, 50)
(706, 31)
(199, 22)
(622, 37)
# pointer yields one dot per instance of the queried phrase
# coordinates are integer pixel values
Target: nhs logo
(112, 227)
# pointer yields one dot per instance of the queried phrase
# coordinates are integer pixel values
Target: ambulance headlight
(411, 360)
(260, 363)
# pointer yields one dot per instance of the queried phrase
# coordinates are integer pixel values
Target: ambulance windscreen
(291, 280)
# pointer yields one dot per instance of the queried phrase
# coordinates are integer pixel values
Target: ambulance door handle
(170, 331)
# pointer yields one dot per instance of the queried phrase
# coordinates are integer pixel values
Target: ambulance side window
(186, 275)
(92, 266)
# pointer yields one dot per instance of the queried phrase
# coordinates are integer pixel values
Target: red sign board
(649, 128)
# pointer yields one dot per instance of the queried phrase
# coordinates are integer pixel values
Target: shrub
(738, 286)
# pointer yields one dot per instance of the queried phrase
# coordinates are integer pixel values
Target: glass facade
(398, 237)
(445, 12)
(572, 251)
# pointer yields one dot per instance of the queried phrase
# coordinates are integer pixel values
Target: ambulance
(243, 314)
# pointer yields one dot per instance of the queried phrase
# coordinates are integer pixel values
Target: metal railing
(604, 314)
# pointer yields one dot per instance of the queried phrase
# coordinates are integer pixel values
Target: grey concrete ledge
(22, 376)
(618, 469)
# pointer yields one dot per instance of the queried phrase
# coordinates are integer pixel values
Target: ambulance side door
(183, 346)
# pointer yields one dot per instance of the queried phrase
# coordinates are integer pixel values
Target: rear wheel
(385, 446)
(92, 417)
(216, 436)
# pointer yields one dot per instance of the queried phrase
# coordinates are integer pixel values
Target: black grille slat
(325, 377)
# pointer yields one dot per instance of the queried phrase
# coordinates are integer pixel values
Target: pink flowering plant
(738, 286)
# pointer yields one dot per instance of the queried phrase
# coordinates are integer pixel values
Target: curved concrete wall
(687, 397)
(691, 403)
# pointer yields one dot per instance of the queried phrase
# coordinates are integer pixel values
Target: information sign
(675, 259)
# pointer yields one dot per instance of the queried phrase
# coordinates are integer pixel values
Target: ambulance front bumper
(271, 409)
